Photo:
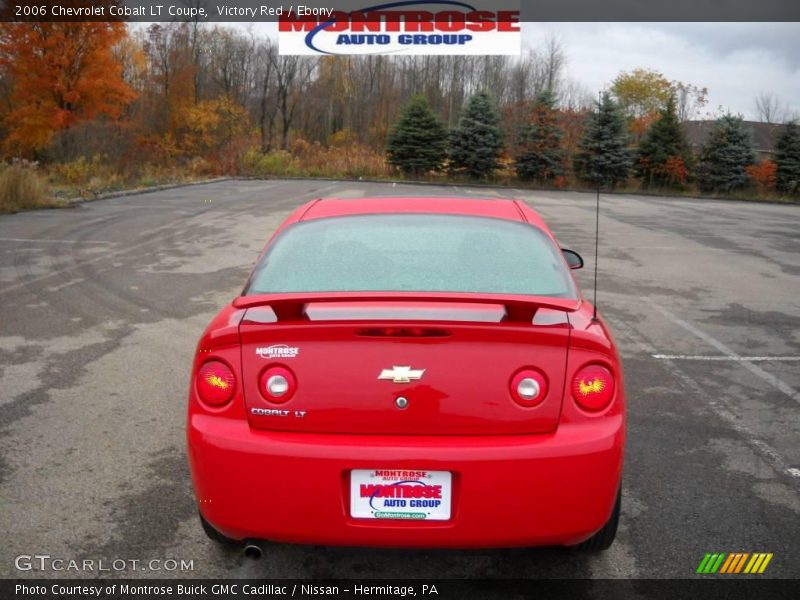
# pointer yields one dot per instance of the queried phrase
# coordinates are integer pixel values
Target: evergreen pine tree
(725, 156)
(541, 154)
(476, 143)
(604, 158)
(787, 159)
(418, 142)
(664, 154)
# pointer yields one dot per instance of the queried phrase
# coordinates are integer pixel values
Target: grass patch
(22, 187)
(89, 179)
(26, 185)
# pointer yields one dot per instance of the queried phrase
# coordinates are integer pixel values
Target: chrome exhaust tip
(253, 551)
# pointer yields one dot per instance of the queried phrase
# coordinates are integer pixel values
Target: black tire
(603, 539)
(216, 536)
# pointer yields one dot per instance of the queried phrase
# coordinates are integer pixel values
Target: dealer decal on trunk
(278, 351)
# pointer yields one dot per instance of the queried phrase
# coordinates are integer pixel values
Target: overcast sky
(735, 61)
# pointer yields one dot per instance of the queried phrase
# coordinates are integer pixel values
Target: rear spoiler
(293, 306)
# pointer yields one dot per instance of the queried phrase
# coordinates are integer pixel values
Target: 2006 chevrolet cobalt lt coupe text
(409, 372)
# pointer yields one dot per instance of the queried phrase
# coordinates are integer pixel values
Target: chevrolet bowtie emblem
(401, 374)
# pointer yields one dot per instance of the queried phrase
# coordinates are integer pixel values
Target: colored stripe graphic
(711, 562)
(752, 565)
(734, 563)
(703, 563)
(735, 558)
(718, 562)
(765, 563)
(727, 564)
(740, 564)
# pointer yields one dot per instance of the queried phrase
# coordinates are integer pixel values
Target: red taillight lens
(528, 388)
(593, 388)
(215, 383)
(277, 384)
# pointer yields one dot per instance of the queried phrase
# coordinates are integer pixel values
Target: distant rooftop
(764, 135)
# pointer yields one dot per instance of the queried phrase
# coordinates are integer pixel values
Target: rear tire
(216, 536)
(603, 539)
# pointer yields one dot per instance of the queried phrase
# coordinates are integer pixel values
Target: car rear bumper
(556, 488)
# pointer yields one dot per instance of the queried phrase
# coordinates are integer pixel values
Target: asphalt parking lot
(101, 307)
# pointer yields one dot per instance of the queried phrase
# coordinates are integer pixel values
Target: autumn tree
(725, 156)
(643, 93)
(541, 154)
(664, 153)
(476, 143)
(200, 80)
(60, 74)
(418, 142)
(763, 175)
(204, 129)
(787, 159)
(604, 159)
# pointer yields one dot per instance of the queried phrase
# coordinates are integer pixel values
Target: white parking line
(718, 405)
(58, 288)
(46, 241)
(754, 369)
(728, 358)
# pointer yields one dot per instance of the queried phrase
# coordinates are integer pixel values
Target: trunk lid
(452, 361)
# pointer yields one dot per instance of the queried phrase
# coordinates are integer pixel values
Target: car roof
(498, 208)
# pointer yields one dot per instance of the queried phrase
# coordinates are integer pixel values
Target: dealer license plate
(400, 494)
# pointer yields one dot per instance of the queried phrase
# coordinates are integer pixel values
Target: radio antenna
(597, 220)
(596, 246)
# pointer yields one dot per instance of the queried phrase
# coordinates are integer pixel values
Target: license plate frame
(401, 494)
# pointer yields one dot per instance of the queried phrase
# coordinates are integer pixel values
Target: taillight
(215, 383)
(528, 388)
(593, 388)
(277, 384)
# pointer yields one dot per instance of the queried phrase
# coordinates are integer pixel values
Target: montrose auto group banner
(405, 28)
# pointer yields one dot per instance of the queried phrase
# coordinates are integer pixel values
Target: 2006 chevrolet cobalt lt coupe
(409, 372)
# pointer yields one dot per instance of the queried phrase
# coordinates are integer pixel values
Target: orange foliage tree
(206, 128)
(60, 73)
(674, 170)
(763, 174)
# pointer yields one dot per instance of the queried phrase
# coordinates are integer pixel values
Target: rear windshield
(413, 252)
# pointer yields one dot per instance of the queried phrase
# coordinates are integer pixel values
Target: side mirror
(574, 260)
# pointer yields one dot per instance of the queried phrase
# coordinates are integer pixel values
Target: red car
(409, 372)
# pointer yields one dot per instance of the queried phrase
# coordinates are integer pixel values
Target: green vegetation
(664, 153)
(418, 142)
(724, 158)
(145, 108)
(605, 158)
(541, 157)
(787, 159)
(476, 143)
(22, 187)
